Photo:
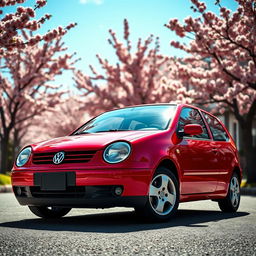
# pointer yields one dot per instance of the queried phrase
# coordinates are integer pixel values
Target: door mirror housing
(191, 129)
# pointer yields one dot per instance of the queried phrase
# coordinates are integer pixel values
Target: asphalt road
(199, 228)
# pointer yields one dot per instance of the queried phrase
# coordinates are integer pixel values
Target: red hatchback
(150, 157)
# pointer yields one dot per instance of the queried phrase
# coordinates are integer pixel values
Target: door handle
(215, 150)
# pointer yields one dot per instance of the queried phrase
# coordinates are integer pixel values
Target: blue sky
(96, 17)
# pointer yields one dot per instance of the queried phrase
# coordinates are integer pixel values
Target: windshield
(131, 119)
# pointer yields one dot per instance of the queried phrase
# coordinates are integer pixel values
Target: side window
(192, 116)
(216, 128)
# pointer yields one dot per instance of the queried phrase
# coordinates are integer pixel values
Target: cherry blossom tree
(220, 66)
(23, 19)
(137, 77)
(25, 87)
(61, 121)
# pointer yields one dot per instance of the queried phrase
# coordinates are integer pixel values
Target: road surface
(199, 228)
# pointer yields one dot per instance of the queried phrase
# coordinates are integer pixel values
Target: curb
(6, 189)
(248, 191)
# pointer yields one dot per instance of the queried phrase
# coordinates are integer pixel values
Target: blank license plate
(54, 180)
(51, 181)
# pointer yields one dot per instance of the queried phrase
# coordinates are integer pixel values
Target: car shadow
(122, 222)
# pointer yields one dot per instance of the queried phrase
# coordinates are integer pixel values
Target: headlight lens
(117, 152)
(23, 156)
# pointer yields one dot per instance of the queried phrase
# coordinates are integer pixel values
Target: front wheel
(49, 212)
(231, 202)
(163, 197)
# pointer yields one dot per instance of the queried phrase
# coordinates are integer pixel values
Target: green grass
(245, 185)
(5, 179)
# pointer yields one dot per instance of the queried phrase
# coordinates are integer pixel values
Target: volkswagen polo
(149, 157)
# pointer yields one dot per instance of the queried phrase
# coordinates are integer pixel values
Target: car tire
(49, 212)
(163, 197)
(231, 202)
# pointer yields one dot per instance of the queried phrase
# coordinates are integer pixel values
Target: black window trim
(206, 125)
(224, 128)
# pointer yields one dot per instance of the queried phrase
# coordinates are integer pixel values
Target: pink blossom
(11, 24)
(135, 79)
(41, 3)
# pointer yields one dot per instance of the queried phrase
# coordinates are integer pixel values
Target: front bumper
(92, 188)
(27, 196)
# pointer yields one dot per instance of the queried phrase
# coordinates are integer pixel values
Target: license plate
(54, 181)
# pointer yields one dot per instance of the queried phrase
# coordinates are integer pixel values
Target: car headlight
(23, 156)
(117, 152)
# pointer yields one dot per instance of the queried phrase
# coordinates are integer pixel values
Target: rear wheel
(163, 197)
(231, 202)
(49, 212)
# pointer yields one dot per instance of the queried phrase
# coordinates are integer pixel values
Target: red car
(150, 157)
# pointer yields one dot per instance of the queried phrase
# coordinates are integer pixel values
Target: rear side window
(192, 116)
(216, 128)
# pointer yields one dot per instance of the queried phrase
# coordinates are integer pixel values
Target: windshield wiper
(81, 133)
(113, 130)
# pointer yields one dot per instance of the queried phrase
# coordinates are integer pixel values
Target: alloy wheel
(234, 191)
(162, 194)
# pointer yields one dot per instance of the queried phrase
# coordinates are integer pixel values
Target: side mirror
(191, 129)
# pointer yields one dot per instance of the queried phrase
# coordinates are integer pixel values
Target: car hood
(90, 141)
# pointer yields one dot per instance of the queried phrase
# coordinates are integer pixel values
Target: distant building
(233, 127)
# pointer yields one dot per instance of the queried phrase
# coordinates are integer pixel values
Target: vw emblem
(58, 157)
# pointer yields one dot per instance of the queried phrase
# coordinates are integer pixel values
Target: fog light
(18, 191)
(118, 191)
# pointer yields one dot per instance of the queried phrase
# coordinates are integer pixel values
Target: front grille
(70, 157)
(88, 192)
(70, 192)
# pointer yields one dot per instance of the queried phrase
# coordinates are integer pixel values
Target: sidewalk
(5, 189)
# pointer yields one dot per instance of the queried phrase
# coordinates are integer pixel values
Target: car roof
(178, 104)
(158, 104)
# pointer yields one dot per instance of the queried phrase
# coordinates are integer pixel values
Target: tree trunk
(16, 143)
(4, 154)
(249, 153)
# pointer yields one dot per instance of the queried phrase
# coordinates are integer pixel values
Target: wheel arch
(169, 164)
(237, 170)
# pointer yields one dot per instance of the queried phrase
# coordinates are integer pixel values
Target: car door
(197, 159)
(223, 148)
